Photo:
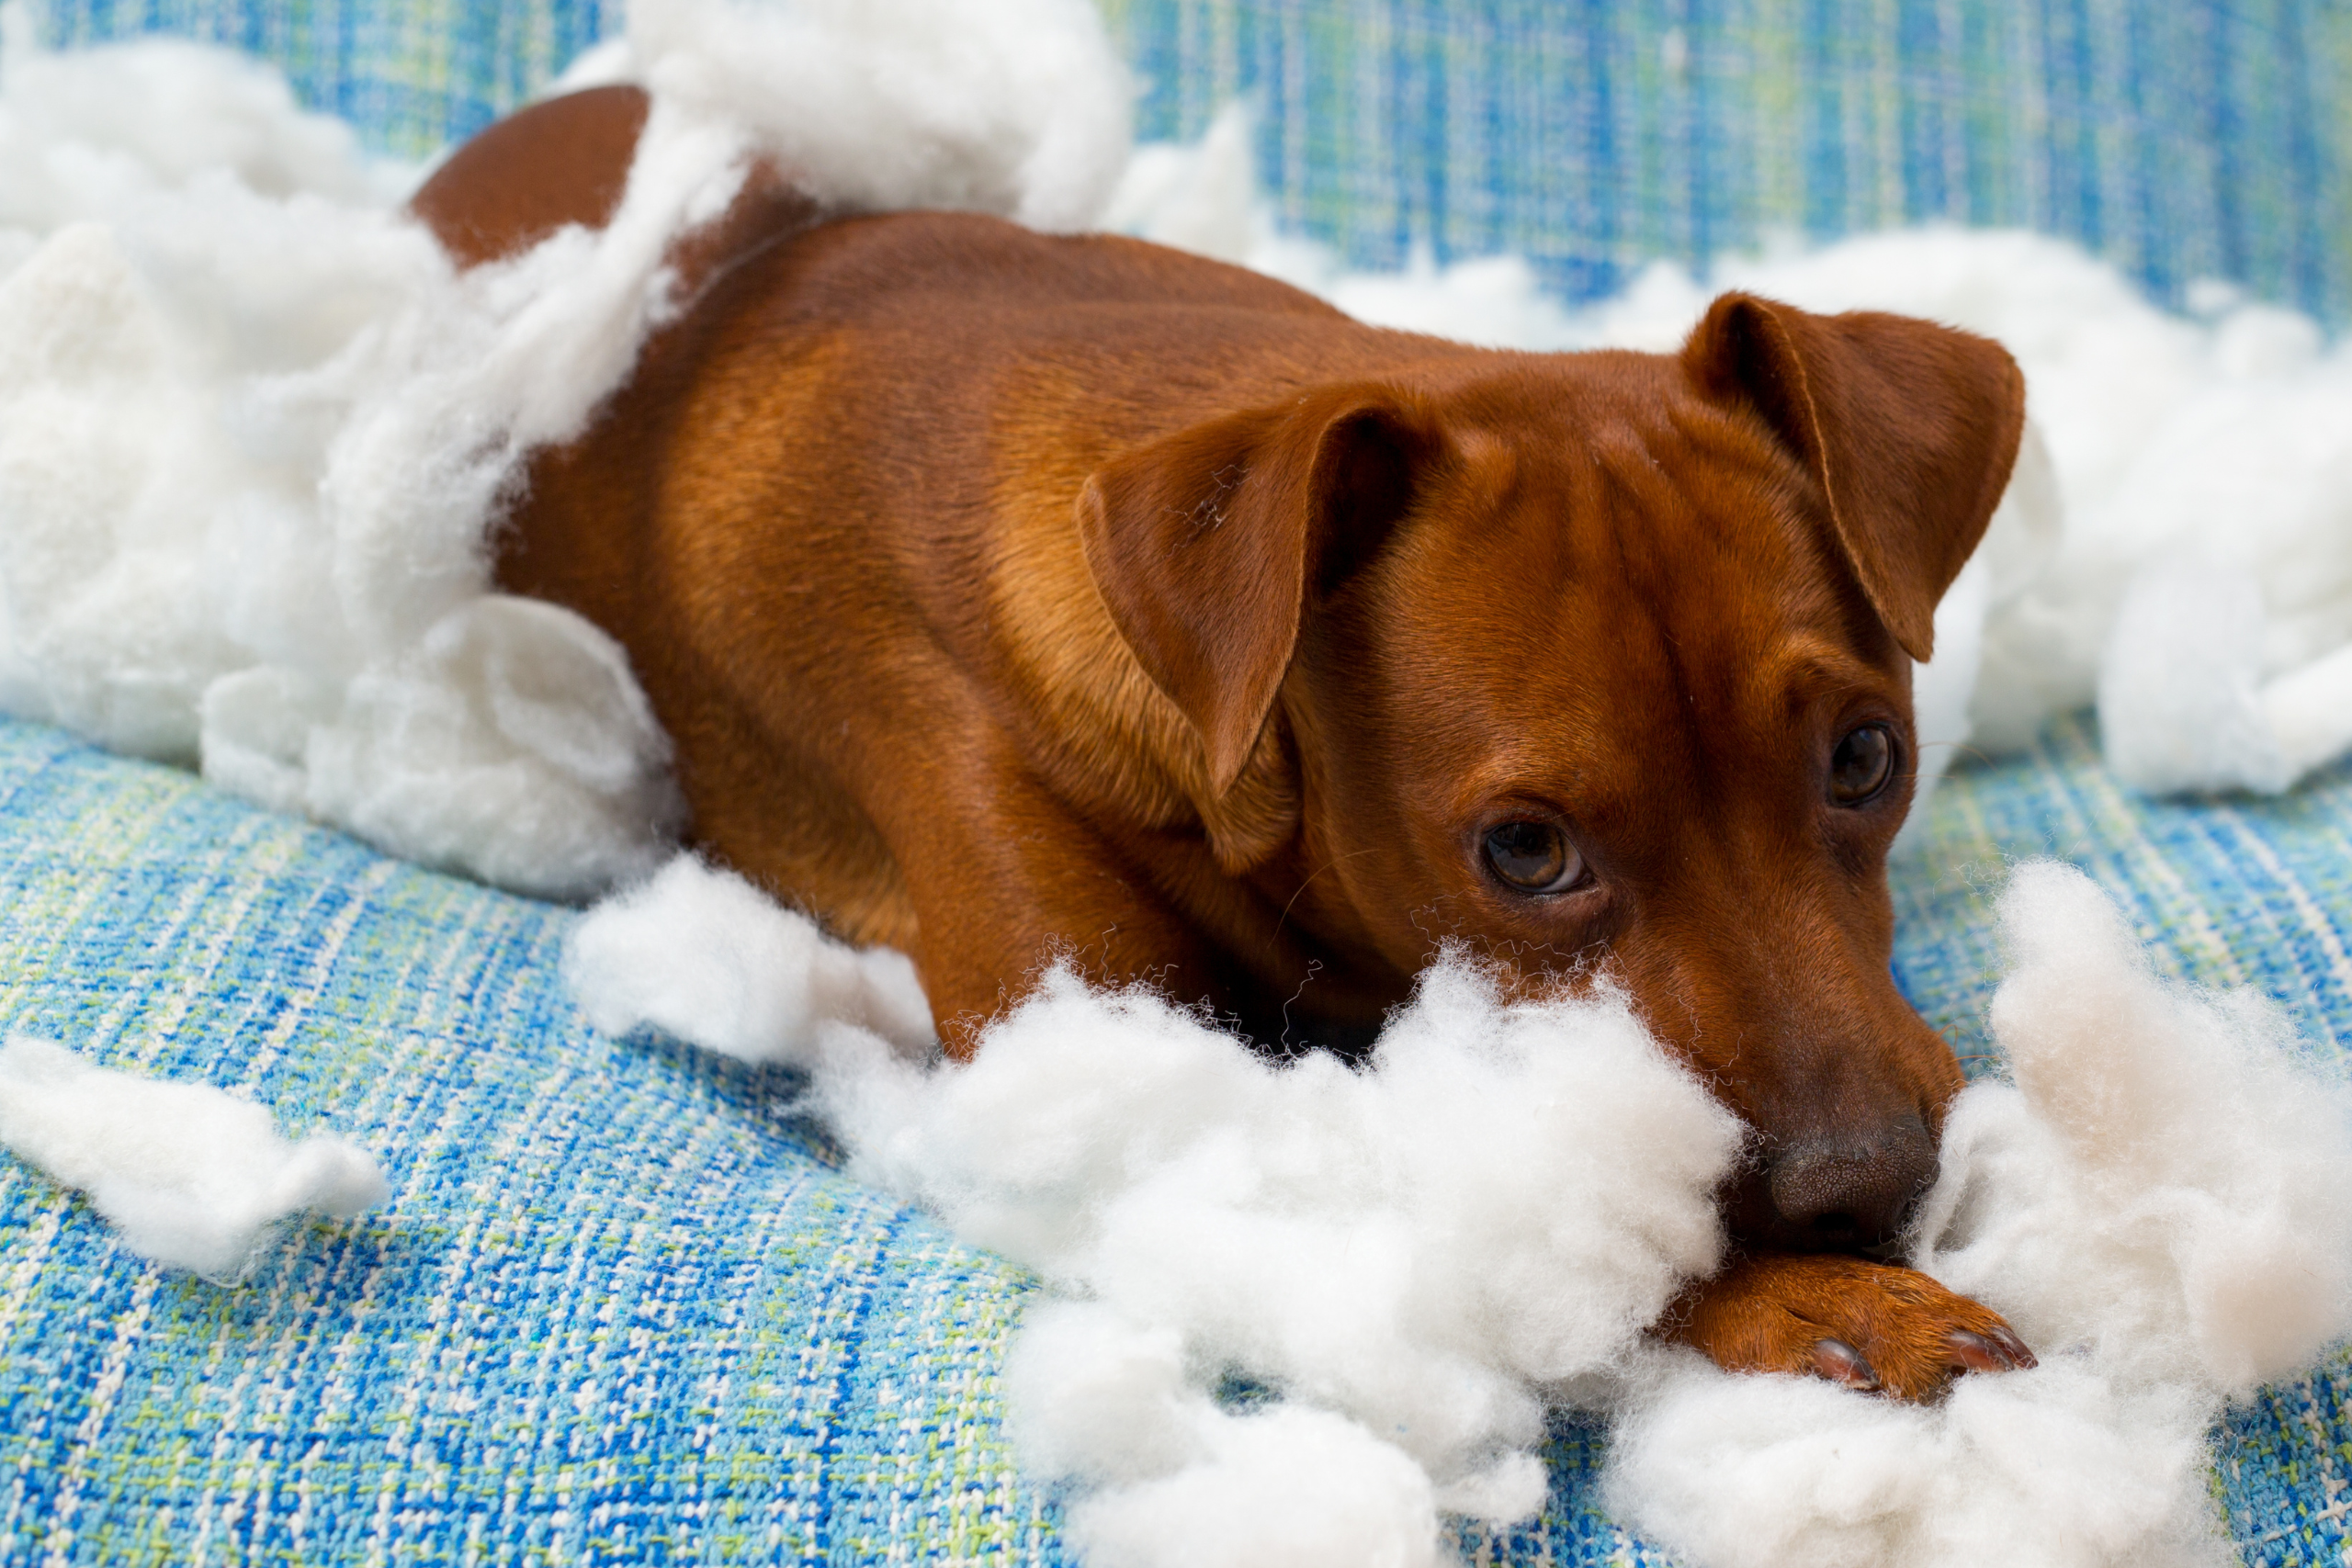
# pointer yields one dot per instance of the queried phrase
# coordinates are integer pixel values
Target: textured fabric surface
(409, 74)
(623, 1307)
(2184, 139)
(2202, 138)
(620, 1307)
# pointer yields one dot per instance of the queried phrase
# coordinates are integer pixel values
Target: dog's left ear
(1908, 428)
(1210, 545)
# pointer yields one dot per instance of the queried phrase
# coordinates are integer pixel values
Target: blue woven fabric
(2226, 890)
(411, 75)
(620, 1308)
(2184, 139)
(624, 1307)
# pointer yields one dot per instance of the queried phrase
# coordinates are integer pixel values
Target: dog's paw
(1868, 1325)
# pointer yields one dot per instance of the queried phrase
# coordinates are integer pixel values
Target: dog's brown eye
(1862, 765)
(1533, 857)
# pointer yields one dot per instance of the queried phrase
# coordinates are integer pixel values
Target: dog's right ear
(1209, 546)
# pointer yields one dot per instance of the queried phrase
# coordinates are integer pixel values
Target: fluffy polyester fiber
(191, 1176)
(2161, 1200)
(624, 1305)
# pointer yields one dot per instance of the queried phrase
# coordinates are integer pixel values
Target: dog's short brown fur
(1007, 594)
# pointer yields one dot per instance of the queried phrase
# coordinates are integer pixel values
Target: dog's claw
(1996, 1350)
(1841, 1364)
(1973, 1352)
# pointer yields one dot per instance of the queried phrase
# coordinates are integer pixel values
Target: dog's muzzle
(1840, 1193)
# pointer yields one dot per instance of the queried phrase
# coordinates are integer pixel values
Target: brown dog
(1007, 594)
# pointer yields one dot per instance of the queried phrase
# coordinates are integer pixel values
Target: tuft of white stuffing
(250, 446)
(2180, 690)
(512, 740)
(2166, 1184)
(2161, 1203)
(191, 1175)
(1198, 197)
(2187, 696)
(702, 955)
(2052, 1468)
(84, 133)
(1395, 1242)
(1018, 107)
(1500, 1202)
(1287, 1487)
(1170, 1480)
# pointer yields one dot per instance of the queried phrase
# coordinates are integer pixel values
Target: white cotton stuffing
(701, 953)
(1288, 1488)
(1501, 1201)
(189, 1175)
(264, 548)
(2160, 1202)
(1019, 107)
(2052, 1468)
(82, 134)
(1389, 1241)
(1170, 1478)
(2174, 1147)
(2187, 699)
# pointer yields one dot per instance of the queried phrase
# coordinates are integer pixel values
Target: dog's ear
(1210, 545)
(1908, 428)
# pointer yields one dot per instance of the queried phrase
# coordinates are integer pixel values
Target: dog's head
(1602, 663)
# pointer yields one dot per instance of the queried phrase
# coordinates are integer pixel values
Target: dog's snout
(1851, 1192)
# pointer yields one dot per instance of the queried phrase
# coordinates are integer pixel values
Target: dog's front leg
(1005, 878)
(1869, 1325)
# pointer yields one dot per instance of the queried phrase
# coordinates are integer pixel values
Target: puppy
(1008, 595)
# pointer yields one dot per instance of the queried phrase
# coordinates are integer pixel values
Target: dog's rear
(1006, 593)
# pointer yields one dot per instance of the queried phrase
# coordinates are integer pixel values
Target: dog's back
(852, 460)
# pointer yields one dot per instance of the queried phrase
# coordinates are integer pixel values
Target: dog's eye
(1533, 857)
(1862, 765)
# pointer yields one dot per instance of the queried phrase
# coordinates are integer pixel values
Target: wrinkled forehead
(1616, 555)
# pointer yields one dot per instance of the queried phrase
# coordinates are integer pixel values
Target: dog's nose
(1839, 1192)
